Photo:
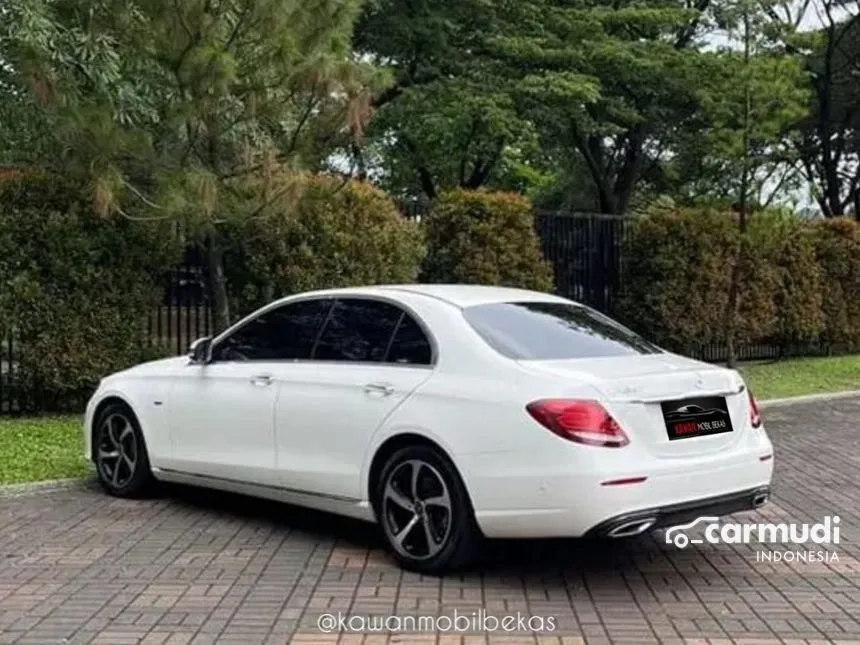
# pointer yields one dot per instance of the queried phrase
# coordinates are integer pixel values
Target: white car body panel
(327, 417)
(222, 421)
(310, 434)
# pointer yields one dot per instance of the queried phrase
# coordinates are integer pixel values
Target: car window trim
(405, 308)
(385, 356)
(322, 328)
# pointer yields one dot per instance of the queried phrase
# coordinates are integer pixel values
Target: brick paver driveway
(195, 567)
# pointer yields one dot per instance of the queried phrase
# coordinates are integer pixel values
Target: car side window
(285, 333)
(410, 345)
(358, 330)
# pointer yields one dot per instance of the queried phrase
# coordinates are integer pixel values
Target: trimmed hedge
(837, 252)
(77, 290)
(477, 237)
(327, 233)
(675, 275)
(795, 290)
(798, 315)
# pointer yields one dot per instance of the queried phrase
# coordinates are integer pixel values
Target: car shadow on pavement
(497, 557)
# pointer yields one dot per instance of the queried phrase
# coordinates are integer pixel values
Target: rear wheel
(120, 453)
(425, 512)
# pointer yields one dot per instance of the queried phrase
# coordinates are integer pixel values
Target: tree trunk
(217, 282)
(732, 307)
(857, 204)
(733, 303)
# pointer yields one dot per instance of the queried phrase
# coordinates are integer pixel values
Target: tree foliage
(829, 141)
(448, 119)
(165, 107)
(77, 289)
(329, 234)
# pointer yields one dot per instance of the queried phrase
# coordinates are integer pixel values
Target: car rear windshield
(553, 330)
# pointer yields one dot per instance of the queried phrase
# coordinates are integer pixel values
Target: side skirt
(357, 509)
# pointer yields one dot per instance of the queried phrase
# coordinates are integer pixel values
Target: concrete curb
(49, 486)
(809, 398)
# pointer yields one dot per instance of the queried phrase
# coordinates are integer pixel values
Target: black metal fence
(584, 249)
(585, 253)
(8, 402)
(185, 313)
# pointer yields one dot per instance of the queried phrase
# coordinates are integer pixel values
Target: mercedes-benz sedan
(446, 413)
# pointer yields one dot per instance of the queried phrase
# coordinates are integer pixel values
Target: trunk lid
(634, 387)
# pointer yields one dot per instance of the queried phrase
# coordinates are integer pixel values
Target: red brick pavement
(195, 568)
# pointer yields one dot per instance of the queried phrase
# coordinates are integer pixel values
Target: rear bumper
(675, 514)
(537, 496)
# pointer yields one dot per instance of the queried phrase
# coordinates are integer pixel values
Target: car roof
(458, 295)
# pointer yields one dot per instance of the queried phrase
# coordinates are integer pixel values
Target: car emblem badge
(700, 383)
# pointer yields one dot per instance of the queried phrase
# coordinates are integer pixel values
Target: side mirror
(200, 350)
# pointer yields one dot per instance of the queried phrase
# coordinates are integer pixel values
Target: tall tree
(606, 83)
(830, 145)
(752, 98)
(447, 119)
(169, 107)
(542, 87)
(826, 35)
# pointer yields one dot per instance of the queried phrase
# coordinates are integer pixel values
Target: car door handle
(261, 380)
(384, 389)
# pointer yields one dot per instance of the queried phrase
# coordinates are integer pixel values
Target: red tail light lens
(755, 415)
(584, 422)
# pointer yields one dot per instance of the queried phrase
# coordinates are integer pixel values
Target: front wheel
(425, 512)
(121, 459)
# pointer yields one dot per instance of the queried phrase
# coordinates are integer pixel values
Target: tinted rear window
(550, 330)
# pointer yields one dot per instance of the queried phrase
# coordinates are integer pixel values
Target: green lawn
(795, 377)
(41, 448)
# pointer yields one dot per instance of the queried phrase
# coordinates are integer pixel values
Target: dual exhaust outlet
(642, 524)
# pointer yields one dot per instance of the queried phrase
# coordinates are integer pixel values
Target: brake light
(585, 422)
(755, 415)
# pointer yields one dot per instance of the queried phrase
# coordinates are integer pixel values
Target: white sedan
(445, 413)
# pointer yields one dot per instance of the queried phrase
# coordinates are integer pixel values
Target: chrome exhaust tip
(760, 499)
(633, 527)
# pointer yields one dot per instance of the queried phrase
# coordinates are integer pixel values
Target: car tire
(120, 455)
(437, 505)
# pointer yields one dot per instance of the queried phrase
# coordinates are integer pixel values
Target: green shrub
(675, 275)
(484, 238)
(837, 250)
(327, 233)
(785, 245)
(677, 270)
(76, 290)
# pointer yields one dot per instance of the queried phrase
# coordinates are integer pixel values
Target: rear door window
(410, 345)
(358, 330)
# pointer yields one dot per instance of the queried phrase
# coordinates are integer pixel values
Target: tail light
(755, 415)
(584, 422)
